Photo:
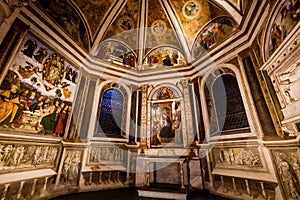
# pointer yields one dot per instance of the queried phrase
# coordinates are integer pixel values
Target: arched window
(230, 114)
(111, 113)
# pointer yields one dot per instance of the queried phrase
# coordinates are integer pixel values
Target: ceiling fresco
(124, 27)
(94, 12)
(66, 16)
(92, 22)
(194, 15)
(159, 30)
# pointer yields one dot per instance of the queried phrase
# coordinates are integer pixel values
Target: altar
(31, 121)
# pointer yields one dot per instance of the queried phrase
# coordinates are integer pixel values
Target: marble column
(19, 195)
(247, 187)
(33, 187)
(263, 191)
(44, 188)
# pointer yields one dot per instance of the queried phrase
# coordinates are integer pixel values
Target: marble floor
(128, 193)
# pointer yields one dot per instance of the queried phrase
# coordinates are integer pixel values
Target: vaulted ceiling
(143, 27)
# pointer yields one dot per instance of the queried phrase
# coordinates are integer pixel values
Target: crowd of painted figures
(16, 155)
(166, 121)
(52, 114)
(160, 59)
(42, 104)
(53, 67)
(212, 35)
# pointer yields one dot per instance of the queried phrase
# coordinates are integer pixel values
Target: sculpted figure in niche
(18, 155)
(7, 151)
(289, 180)
(36, 156)
(74, 167)
(66, 167)
(291, 78)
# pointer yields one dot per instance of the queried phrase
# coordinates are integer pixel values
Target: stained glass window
(234, 115)
(111, 112)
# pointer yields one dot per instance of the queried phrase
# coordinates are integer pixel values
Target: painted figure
(155, 134)
(166, 130)
(9, 104)
(30, 45)
(53, 69)
(61, 120)
(176, 126)
(41, 54)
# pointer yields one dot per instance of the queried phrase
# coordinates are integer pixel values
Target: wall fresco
(37, 91)
(164, 57)
(213, 34)
(285, 21)
(113, 51)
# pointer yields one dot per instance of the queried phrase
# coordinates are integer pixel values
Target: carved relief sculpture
(114, 155)
(71, 166)
(287, 163)
(289, 81)
(21, 157)
(238, 158)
